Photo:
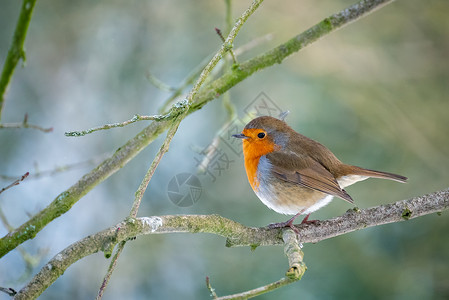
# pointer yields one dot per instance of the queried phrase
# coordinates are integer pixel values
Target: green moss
(326, 24)
(254, 246)
(356, 209)
(406, 214)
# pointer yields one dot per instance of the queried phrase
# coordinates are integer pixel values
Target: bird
(293, 174)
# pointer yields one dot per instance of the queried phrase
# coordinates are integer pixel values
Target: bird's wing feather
(306, 172)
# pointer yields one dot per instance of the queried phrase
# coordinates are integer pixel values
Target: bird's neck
(256, 149)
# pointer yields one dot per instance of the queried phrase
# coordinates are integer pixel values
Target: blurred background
(374, 92)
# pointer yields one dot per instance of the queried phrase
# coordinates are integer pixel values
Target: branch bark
(124, 154)
(16, 51)
(236, 234)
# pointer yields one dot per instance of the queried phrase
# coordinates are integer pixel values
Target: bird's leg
(288, 223)
(307, 221)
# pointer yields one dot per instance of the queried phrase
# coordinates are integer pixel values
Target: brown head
(264, 135)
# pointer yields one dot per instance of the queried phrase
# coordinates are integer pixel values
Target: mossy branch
(174, 127)
(236, 234)
(124, 154)
(137, 200)
(297, 268)
(16, 50)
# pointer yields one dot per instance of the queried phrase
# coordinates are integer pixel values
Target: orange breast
(253, 149)
(251, 171)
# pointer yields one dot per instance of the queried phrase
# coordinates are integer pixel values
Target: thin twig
(146, 180)
(163, 150)
(138, 198)
(228, 44)
(5, 221)
(112, 265)
(129, 150)
(190, 78)
(16, 51)
(134, 119)
(297, 268)
(284, 50)
(22, 125)
(218, 31)
(36, 174)
(260, 290)
(16, 182)
(209, 152)
(210, 288)
(253, 44)
(9, 291)
(25, 124)
(159, 83)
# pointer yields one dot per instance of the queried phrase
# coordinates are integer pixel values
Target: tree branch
(281, 52)
(16, 51)
(16, 182)
(25, 124)
(235, 233)
(297, 268)
(134, 119)
(137, 200)
(174, 127)
(124, 154)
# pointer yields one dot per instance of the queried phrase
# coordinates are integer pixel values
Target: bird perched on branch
(293, 174)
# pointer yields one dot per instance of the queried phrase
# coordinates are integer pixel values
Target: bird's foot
(288, 223)
(308, 222)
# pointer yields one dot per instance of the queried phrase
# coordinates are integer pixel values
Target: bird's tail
(380, 174)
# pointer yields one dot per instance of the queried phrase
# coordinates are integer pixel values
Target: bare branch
(218, 31)
(36, 174)
(297, 268)
(159, 83)
(137, 200)
(25, 124)
(111, 269)
(228, 44)
(174, 127)
(292, 249)
(16, 182)
(260, 290)
(172, 114)
(16, 51)
(236, 234)
(9, 291)
(210, 288)
(190, 78)
(125, 153)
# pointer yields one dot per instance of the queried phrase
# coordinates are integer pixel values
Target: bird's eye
(261, 135)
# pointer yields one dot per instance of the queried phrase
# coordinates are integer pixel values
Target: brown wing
(306, 172)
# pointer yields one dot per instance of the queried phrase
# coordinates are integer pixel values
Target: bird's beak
(240, 136)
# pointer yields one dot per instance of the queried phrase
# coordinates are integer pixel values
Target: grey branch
(235, 233)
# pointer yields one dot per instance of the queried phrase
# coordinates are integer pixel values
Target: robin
(293, 174)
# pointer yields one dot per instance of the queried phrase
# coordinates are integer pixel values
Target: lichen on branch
(235, 233)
